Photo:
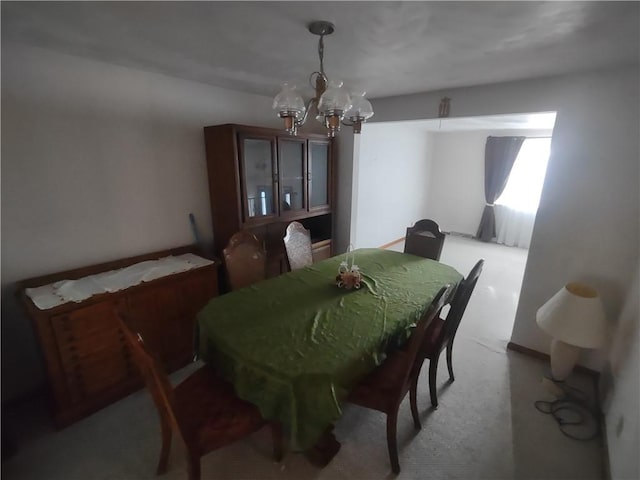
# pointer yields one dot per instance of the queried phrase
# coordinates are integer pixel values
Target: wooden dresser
(87, 361)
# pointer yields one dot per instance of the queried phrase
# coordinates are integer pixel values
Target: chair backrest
(417, 336)
(459, 304)
(244, 259)
(297, 243)
(424, 239)
(152, 374)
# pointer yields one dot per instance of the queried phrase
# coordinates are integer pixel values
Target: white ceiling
(385, 48)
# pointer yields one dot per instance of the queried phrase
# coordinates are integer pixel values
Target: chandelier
(332, 101)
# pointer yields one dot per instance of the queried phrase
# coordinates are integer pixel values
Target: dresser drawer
(93, 354)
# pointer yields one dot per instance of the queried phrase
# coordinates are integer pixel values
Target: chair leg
(433, 371)
(413, 393)
(194, 466)
(278, 440)
(166, 447)
(392, 440)
(449, 364)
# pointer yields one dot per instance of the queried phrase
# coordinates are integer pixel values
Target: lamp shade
(289, 102)
(334, 99)
(360, 109)
(574, 315)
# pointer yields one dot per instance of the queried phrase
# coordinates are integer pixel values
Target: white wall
(456, 191)
(99, 162)
(622, 407)
(391, 185)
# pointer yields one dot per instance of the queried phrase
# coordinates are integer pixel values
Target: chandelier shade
(359, 111)
(289, 101)
(332, 101)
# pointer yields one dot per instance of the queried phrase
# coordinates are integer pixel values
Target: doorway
(435, 169)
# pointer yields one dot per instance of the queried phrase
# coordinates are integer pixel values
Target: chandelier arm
(356, 124)
(306, 111)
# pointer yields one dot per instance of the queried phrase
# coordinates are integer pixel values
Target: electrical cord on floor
(570, 410)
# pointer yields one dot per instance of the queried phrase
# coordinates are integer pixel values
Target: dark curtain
(499, 155)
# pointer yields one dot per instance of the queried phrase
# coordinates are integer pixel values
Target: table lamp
(575, 318)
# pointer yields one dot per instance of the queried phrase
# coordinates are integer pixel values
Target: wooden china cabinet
(262, 179)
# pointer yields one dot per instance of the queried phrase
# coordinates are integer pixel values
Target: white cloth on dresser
(58, 293)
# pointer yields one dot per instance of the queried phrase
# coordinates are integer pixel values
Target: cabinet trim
(244, 200)
(330, 183)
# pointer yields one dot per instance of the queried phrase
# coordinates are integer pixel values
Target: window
(524, 186)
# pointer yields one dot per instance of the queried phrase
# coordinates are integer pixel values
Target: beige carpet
(486, 426)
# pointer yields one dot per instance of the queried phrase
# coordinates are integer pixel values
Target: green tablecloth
(296, 344)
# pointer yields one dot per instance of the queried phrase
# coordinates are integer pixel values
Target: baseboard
(391, 244)
(455, 234)
(543, 356)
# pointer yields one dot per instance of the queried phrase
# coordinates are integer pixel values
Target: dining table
(296, 344)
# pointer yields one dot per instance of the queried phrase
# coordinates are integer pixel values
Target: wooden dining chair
(203, 411)
(385, 388)
(441, 333)
(244, 259)
(424, 239)
(297, 243)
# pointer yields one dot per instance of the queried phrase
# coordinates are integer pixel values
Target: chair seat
(430, 345)
(373, 390)
(211, 413)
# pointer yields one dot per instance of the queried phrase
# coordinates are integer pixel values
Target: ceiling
(384, 48)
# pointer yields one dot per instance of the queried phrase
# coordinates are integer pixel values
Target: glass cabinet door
(258, 177)
(292, 173)
(319, 174)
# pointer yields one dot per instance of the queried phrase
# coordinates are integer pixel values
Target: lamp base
(552, 387)
(563, 359)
